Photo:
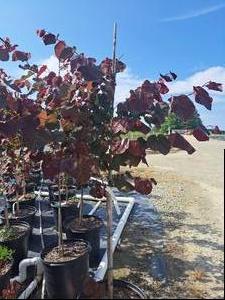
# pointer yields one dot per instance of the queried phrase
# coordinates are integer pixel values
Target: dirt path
(205, 168)
(190, 248)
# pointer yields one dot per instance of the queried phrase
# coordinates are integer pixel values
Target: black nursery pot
(67, 210)
(5, 279)
(130, 288)
(122, 290)
(91, 235)
(24, 202)
(28, 217)
(64, 280)
(19, 244)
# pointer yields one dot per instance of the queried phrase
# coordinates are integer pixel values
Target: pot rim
(69, 219)
(54, 204)
(24, 224)
(33, 197)
(49, 248)
(131, 286)
(29, 207)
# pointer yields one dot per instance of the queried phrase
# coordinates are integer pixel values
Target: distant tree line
(173, 122)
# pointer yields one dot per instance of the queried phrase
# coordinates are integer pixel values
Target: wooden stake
(60, 233)
(81, 206)
(109, 207)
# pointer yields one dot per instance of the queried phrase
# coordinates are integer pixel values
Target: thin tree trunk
(109, 246)
(17, 203)
(60, 231)
(66, 186)
(81, 206)
(6, 213)
(109, 200)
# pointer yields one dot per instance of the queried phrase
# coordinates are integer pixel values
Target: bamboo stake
(81, 206)
(60, 234)
(109, 199)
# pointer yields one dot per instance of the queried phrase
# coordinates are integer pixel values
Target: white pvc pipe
(103, 266)
(29, 290)
(88, 197)
(24, 264)
(95, 208)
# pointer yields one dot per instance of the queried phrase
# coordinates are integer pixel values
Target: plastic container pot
(122, 290)
(134, 289)
(91, 235)
(25, 202)
(28, 218)
(19, 244)
(64, 280)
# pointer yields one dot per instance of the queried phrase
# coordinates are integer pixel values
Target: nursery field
(186, 257)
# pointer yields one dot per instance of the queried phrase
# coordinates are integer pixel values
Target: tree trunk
(81, 206)
(60, 231)
(109, 246)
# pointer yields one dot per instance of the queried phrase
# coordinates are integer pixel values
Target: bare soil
(190, 248)
(71, 251)
(4, 268)
(86, 224)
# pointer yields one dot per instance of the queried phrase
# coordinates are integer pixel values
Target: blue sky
(153, 36)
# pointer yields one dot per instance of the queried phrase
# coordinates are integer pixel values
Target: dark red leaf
(214, 86)
(90, 73)
(120, 146)
(9, 128)
(50, 77)
(136, 149)
(166, 77)
(202, 97)
(49, 39)
(40, 32)
(59, 47)
(3, 97)
(57, 81)
(120, 125)
(163, 89)
(137, 125)
(200, 134)
(182, 106)
(19, 55)
(178, 141)
(41, 70)
(173, 75)
(66, 53)
(4, 54)
(98, 191)
(143, 186)
(159, 143)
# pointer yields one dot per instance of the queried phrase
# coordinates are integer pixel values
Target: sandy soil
(205, 168)
(189, 249)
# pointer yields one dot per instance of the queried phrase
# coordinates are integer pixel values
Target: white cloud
(52, 63)
(126, 81)
(195, 14)
(185, 86)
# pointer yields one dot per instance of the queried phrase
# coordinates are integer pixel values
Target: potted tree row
(72, 129)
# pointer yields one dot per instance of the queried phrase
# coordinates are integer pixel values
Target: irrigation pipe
(103, 266)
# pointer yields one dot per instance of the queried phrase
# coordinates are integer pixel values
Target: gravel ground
(189, 249)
